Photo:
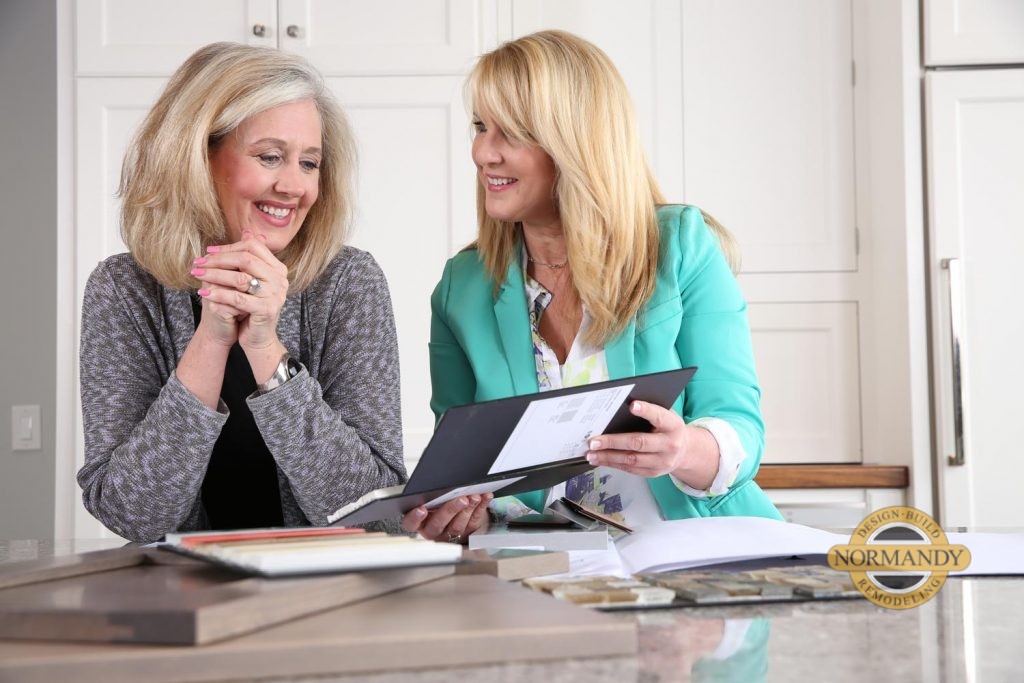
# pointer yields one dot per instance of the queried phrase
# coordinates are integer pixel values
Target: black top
(240, 489)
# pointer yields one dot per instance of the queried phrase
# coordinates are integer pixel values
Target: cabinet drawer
(832, 508)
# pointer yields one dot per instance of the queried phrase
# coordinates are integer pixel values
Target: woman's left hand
(672, 447)
(452, 522)
(231, 269)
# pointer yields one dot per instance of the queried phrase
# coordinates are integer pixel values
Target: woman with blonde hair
(581, 273)
(239, 365)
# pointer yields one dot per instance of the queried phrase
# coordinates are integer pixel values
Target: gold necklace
(553, 266)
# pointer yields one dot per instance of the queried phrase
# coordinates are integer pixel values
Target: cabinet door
(642, 40)
(768, 128)
(746, 110)
(975, 32)
(108, 112)
(975, 141)
(348, 37)
(756, 126)
(416, 208)
(807, 361)
(135, 38)
(835, 508)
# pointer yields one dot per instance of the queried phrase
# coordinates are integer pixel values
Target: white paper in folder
(559, 428)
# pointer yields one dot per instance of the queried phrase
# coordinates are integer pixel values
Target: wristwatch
(287, 368)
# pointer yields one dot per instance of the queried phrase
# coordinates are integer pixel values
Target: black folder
(469, 439)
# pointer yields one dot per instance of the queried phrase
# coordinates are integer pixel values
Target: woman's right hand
(452, 522)
(219, 322)
(201, 368)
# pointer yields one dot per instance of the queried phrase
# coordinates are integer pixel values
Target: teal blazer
(481, 349)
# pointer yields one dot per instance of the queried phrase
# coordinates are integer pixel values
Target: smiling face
(518, 178)
(267, 172)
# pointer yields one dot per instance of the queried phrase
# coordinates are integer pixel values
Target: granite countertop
(971, 631)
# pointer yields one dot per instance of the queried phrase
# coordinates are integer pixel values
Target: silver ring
(254, 286)
(454, 538)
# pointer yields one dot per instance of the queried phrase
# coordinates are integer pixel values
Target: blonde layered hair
(559, 92)
(170, 212)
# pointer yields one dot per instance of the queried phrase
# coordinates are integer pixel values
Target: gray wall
(28, 258)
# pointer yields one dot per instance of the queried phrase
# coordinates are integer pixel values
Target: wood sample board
(453, 621)
(145, 595)
(513, 564)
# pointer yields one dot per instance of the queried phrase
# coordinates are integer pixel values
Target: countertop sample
(971, 631)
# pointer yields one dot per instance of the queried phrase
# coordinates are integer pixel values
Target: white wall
(28, 261)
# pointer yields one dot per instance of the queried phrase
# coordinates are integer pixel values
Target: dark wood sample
(454, 621)
(150, 596)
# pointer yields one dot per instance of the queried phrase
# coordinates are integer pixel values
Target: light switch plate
(25, 428)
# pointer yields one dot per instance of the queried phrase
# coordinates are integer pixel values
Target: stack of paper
(500, 536)
(992, 553)
(685, 543)
(278, 552)
(688, 543)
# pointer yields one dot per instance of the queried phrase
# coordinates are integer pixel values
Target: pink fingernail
(199, 260)
(213, 249)
(262, 237)
(204, 292)
(595, 444)
(591, 458)
(637, 406)
(198, 271)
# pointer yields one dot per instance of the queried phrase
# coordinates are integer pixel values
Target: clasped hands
(672, 447)
(231, 311)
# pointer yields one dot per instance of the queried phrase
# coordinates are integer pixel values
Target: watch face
(293, 367)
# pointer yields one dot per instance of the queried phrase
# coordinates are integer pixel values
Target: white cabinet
(152, 38)
(832, 508)
(342, 37)
(768, 128)
(396, 66)
(975, 134)
(975, 174)
(108, 110)
(416, 208)
(355, 37)
(745, 111)
(807, 358)
(642, 39)
(958, 32)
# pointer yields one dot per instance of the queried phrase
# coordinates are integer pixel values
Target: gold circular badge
(898, 557)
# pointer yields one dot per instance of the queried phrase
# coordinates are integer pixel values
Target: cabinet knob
(259, 30)
(293, 31)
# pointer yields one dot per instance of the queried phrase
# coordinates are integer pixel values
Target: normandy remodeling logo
(898, 557)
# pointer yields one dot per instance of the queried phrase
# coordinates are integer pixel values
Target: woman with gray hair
(239, 366)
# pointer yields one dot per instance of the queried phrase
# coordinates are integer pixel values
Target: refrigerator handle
(956, 330)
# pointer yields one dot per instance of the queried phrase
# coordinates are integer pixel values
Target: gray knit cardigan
(334, 430)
